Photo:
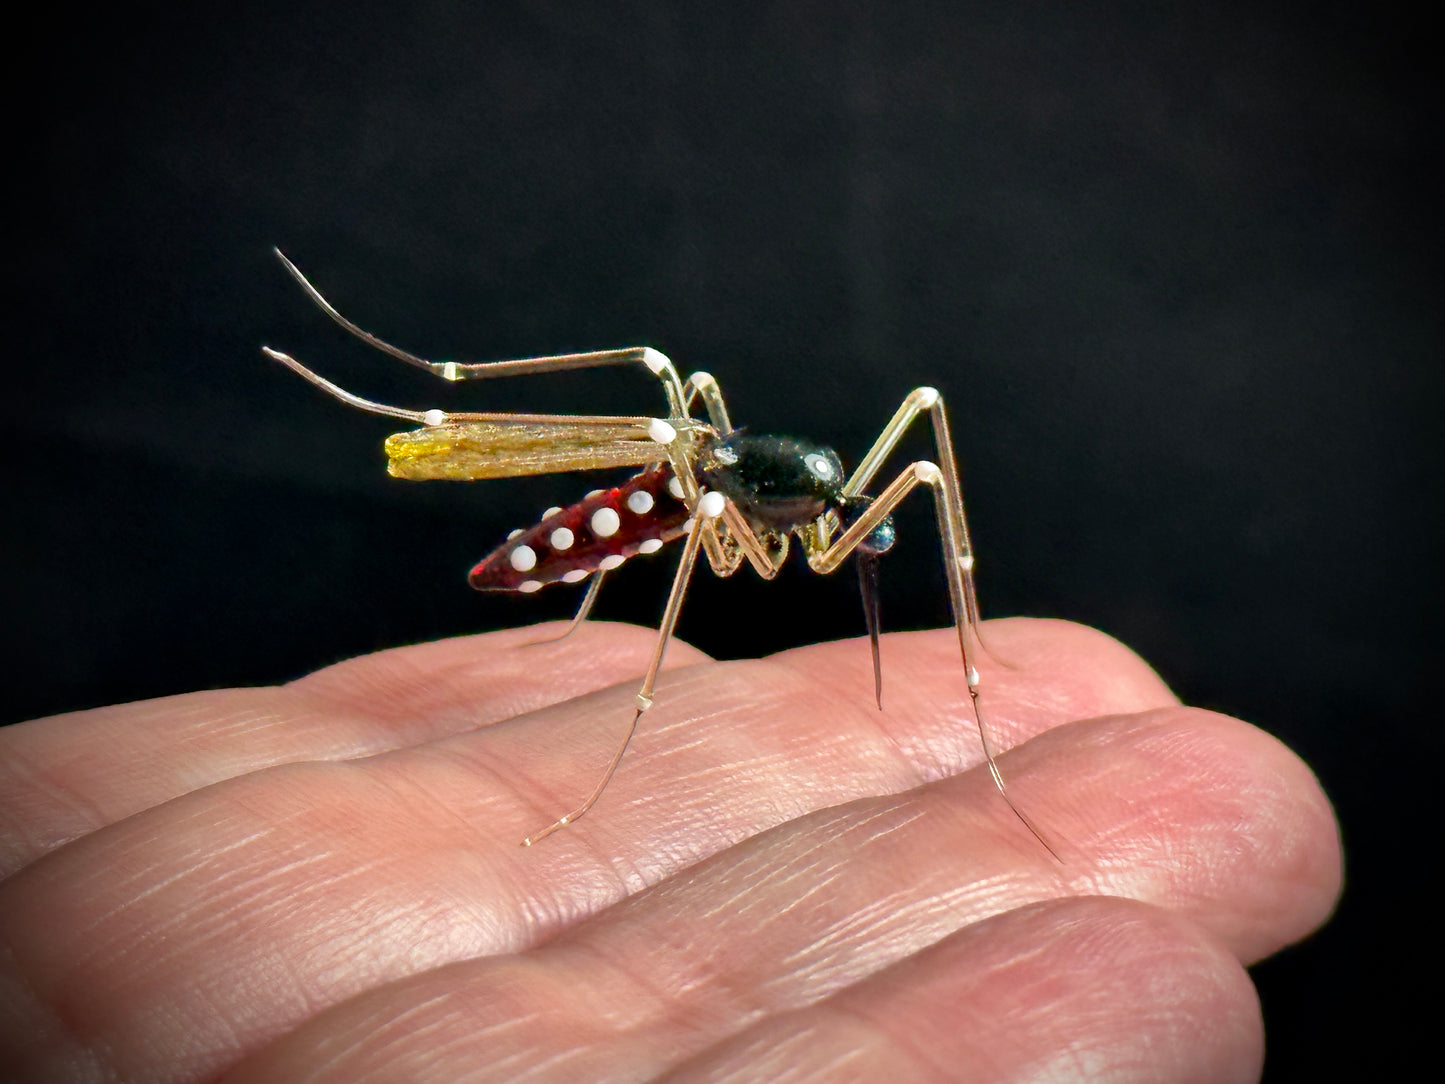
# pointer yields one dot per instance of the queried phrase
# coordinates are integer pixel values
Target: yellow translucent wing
(508, 447)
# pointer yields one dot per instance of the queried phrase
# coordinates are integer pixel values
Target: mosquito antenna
(868, 588)
(365, 336)
(426, 417)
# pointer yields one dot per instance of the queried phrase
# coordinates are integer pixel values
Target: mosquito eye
(819, 465)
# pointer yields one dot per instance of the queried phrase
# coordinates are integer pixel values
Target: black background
(1176, 272)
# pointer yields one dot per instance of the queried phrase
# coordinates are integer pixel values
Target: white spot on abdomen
(640, 502)
(605, 522)
(650, 545)
(523, 558)
(562, 539)
(611, 561)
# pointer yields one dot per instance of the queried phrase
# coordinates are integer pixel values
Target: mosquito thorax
(777, 482)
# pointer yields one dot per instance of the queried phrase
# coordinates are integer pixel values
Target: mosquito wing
(506, 447)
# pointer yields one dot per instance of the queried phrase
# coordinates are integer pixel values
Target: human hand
(322, 881)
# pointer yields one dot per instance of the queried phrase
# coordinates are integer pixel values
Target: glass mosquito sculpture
(737, 497)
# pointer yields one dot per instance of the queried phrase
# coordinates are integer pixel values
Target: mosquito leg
(582, 611)
(828, 559)
(709, 508)
(953, 525)
(702, 385)
(656, 362)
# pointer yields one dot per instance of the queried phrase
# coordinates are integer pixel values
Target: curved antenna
(365, 336)
(425, 417)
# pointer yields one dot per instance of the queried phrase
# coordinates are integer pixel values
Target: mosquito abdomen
(600, 531)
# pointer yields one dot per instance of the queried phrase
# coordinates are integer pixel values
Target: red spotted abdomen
(598, 532)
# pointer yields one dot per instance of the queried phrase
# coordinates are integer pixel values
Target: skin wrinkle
(834, 946)
(724, 763)
(1148, 820)
(397, 1035)
(602, 1024)
(17, 769)
(402, 1024)
(924, 759)
(700, 993)
(1155, 985)
(1119, 937)
(362, 690)
(337, 956)
(410, 795)
(781, 756)
(720, 783)
(650, 1001)
(915, 1054)
(882, 742)
(802, 866)
(85, 1051)
(782, 1051)
(747, 698)
(197, 867)
(161, 948)
(898, 925)
(198, 725)
(770, 877)
(253, 909)
(846, 705)
(410, 677)
(778, 1064)
(574, 906)
(540, 918)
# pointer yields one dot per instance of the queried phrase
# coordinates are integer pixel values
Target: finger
(1096, 989)
(63, 777)
(1186, 810)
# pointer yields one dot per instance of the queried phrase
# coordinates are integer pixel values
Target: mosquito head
(880, 539)
(778, 483)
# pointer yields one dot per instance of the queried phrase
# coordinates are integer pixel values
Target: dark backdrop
(1176, 272)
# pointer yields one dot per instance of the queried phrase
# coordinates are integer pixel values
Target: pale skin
(322, 881)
